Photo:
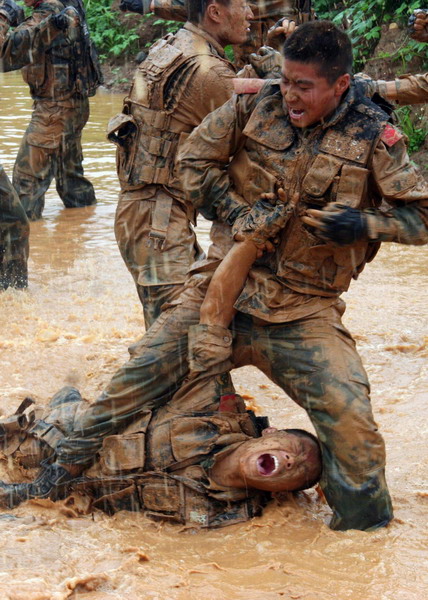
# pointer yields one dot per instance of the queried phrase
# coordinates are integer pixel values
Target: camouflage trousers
(51, 148)
(14, 233)
(157, 243)
(313, 360)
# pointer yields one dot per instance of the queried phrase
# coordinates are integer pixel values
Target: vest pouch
(321, 176)
(196, 436)
(121, 453)
(123, 131)
(249, 179)
(350, 261)
(163, 497)
(35, 76)
(352, 188)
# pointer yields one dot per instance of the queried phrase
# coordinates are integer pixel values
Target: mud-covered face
(280, 461)
(308, 96)
(235, 22)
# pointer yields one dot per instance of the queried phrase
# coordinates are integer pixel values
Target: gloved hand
(264, 219)
(280, 31)
(338, 223)
(208, 345)
(142, 7)
(12, 12)
(69, 17)
(267, 63)
(418, 25)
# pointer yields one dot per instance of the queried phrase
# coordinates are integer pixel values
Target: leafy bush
(365, 19)
(107, 32)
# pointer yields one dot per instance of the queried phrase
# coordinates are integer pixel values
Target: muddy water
(73, 325)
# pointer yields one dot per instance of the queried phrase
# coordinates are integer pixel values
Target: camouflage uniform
(160, 463)
(408, 89)
(266, 14)
(183, 78)
(14, 232)
(62, 72)
(289, 320)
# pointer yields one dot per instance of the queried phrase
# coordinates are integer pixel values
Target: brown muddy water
(73, 326)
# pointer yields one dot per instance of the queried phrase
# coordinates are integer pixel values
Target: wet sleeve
(412, 89)
(171, 10)
(27, 42)
(204, 158)
(402, 186)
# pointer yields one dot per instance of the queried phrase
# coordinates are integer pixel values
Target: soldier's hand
(338, 223)
(418, 25)
(12, 12)
(280, 31)
(67, 18)
(265, 219)
(140, 7)
(208, 345)
(267, 63)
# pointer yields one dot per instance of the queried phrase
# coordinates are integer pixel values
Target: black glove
(338, 223)
(12, 11)
(69, 17)
(142, 7)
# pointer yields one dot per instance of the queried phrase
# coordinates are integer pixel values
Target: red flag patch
(390, 135)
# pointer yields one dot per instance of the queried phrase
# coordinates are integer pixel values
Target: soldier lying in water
(201, 459)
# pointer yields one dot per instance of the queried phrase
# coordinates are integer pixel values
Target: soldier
(62, 72)
(201, 460)
(313, 135)
(14, 232)
(268, 14)
(183, 78)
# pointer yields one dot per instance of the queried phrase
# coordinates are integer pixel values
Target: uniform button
(226, 338)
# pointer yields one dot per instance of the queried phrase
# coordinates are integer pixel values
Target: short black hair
(196, 9)
(321, 43)
(310, 482)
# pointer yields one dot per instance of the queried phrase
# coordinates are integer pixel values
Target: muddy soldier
(201, 460)
(14, 232)
(61, 77)
(267, 14)
(183, 78)
(314, 136)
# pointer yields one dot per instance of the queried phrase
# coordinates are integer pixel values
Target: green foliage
(365, 18)
(111, 38)
(413, 124)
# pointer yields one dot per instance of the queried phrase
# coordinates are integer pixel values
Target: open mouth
(267, 464)
(296, 113)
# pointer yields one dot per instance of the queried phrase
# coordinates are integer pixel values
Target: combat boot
(52, 482)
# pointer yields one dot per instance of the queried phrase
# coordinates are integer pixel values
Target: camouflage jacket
(297, 10)
(55, 66)
(183, 78)
(159, 464)
(356, 158)
(408, 89)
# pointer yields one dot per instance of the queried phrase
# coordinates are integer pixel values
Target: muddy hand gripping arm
(210, 342)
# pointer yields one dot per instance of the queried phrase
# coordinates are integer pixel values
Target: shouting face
(308, 96)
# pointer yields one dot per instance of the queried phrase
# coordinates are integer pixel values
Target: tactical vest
(170, 483)
(331, 167)
(69, 67)
(147, 132)
(175, 488)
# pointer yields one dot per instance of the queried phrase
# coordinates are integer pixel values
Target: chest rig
(161, 471)
(147, 131)
(327, 164)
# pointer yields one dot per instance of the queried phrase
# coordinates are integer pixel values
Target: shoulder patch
(390, 135)
(245, 85)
